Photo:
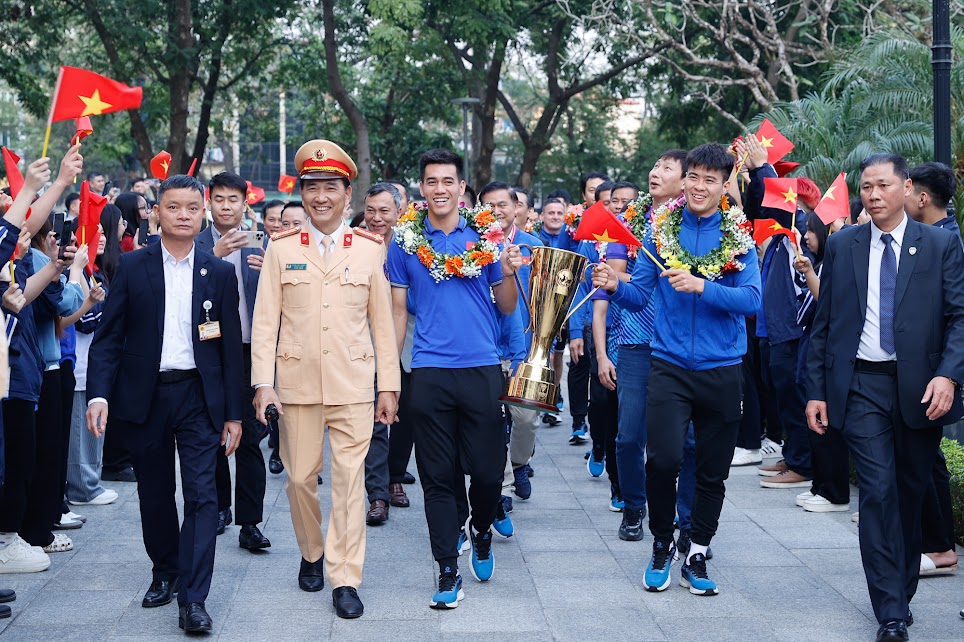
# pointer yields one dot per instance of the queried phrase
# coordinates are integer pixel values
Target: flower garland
(574, 218)
(736, 240)
(533, 227)
(409, 233)
(636, 219)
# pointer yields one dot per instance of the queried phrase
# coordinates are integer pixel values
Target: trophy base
(531, 393)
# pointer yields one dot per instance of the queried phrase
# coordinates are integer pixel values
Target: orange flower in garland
(453, 264)
(484, 218)
(425, 256)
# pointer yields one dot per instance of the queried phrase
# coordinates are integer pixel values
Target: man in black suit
(167, 358)
(884, 367)
(227, 240)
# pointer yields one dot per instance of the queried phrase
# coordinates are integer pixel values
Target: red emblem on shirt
(304, 238)
(347, 240)
(526, 260)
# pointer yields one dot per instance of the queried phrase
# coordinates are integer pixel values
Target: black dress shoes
(252, 538)
(160, 593)
(408, 478)
(347, 604)
(224, 519)
(194, 619)
(122, 475)
(892, 631)
(5, 611)
(311, 577)
(274, 463)
(7, 595)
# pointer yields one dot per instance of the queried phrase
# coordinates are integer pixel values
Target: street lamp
(465, 103)
(941, 61)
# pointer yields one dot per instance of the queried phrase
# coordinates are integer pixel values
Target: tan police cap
(323, 159)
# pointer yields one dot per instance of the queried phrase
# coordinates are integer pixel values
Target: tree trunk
(180, 88)
(363, 154)
(485, 112)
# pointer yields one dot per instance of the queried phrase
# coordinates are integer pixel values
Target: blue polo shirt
(560, 240)
(456, 325)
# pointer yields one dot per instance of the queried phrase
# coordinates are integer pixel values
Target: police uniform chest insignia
(304, 239)
(296, 266)
(283, 234)
(371, 236)
(346, 242)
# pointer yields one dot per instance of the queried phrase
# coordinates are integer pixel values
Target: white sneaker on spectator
(770, 448)
(20, 557)
(72, 515)
(61, 544)
(107, 497)
(746, 457)
(820, 504)
(855, 518)
(802, 497)
(66, 523)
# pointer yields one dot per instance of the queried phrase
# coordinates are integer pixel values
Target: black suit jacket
(125, 354)
(928, 319)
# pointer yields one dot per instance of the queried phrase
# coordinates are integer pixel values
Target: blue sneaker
(579, 435)
(507, 503)
(529, 471)
(657, 576)
(693, 576)
(483, 564)
(502, 524)
(522, 486)
(449, 590)
(463, 541)
(616, 503)
(561, 403)
(596, 463)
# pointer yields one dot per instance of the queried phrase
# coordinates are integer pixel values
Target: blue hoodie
(696, 332)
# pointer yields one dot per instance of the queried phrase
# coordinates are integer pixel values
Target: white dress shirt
(177, 345)
(319, 236)
(234, 258)
(869, 348)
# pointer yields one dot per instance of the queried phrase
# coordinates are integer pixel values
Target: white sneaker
(61, 544)
(819, 504)
(746, 457)
(771, 449)
(20, 557)
(802, 497)
(72, 515)
(855, 518)
(107, 497)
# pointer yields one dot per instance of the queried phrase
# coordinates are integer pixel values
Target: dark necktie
(888, 290)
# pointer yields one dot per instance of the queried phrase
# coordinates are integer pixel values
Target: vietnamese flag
(14, 177)
(254, 194)
(600, 225)
(82, 93)
(835, 203)
(764, 228)
(785, 167)
(84, 129)
(776, 143)
(286, 184)
(88, 220)
(780, 193)
(160, 165)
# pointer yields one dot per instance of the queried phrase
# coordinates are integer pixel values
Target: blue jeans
(633, 376)
(686, 484)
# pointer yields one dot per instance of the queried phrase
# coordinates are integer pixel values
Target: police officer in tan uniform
(322, 328)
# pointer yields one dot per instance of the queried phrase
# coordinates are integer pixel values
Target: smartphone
(107, 187)
(142, 232)
(57, 222)
(65, 234)
(255, 239)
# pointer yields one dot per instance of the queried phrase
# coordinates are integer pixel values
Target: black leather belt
(876, 367)
(176, 376)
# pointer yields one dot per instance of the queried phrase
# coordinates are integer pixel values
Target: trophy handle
(573, 309)
(522, 290)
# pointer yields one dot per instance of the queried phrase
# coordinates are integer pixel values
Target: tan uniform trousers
(302, 438)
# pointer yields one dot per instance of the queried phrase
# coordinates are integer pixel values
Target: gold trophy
(553, 283)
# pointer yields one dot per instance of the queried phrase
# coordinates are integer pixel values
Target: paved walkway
(783, 574)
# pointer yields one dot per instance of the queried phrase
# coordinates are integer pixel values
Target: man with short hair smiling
(226, 239)
(167, 357)
(523, 207)
(293, 215)
(456, 371)
(695, 373)
(884, 367)
(271, 217)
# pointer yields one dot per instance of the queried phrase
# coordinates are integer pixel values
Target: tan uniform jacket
(313, 330)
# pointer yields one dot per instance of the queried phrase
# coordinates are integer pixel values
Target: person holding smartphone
(227, 239)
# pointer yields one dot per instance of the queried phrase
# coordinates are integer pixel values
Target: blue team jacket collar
(690, 219)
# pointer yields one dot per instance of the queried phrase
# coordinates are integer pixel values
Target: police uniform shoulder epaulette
(371, 236)
(289, 232)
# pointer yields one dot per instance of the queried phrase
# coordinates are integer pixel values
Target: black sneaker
(694, 577)
(683, 546)
(631, 530)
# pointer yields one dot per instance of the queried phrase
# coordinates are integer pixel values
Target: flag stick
(46, 142)
(50, 115)
(13, 273)
(661, 267)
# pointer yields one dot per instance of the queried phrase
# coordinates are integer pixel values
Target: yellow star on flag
(93, 105)
(165, 165)
(290, 185)
(604, 237)
(776, 226)
(789, 196)
(829, 193)
(766, 142)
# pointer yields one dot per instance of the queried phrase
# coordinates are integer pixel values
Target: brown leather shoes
(399, 498)
(377, 513)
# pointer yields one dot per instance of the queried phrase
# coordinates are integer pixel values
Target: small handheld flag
(254, 194)
(780, 193)
(160, 165)
(777, 145)
(286, 184)
(835, 203)
(600, 225)
(83, 130)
